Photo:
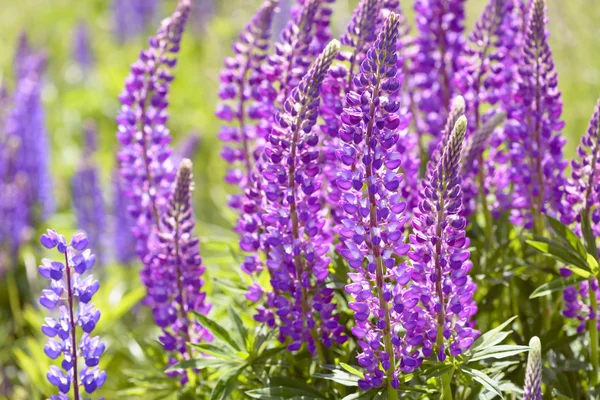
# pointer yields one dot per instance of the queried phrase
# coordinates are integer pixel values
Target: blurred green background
(72, 97)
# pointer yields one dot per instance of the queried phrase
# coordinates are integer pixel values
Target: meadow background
(73, 97)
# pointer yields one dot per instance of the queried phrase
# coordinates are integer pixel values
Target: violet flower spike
(373, 222)
(294, 218)
(87, 196)
(144, 158)
(440, 260)
(537, 164)
(533, 373)
(124, 242)
(176, 273)
(70, 294)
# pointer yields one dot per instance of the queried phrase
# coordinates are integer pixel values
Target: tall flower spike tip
(536, 153)
(176, 273)
(533, 374)
(371, 232)
(295, 220)
(440, 42)
(241, 97)
(71, 294)
(440, 262)
(144, 158)
(457, 109)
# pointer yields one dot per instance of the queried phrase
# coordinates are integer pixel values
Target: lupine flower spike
(294, 214)
(176, 273)
(144, 159)
(373, 221)
(440, 260)
(537, 164)
(533, 374)
(70, 293)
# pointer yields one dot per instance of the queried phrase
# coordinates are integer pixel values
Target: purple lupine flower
(440, 41)
(359, 36)
(123, 240)
(295, 221)
(372, 230)
(281, 19)
(440, 261)
(582, 194)
(533, 373)
(536, 153)
(176, 275)
(87, 195)
(202, 13)
(132, 17)
(24, 166)
(187, 147)
(240, 80)
(70, 294)
(485, 79)
(144, 158)
(82, 47)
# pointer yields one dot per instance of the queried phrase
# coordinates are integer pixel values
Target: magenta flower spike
(70, 293)
(175, 292)
(144, 158)
(440, 264)
(536, 152)
(372, 226)
(300, 304)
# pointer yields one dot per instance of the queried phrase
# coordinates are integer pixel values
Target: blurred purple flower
(82, 47)
(133, 17)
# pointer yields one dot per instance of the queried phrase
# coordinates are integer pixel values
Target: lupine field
(308, 200)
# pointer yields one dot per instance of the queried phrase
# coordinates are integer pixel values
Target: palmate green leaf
(437, 370)
(352, 370)
(226, 384)
(558, 251)
(217, 330)
(201, 363)
(341, 377)
(485, 381)
(499, 352)
(567, 235)
(556, 286)
(240, 328)
(588, 234)
(491, 337)
(216, 351)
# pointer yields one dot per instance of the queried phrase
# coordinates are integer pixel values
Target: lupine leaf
(226, 384)
(239, 326)
(215, 351)
(567, 235)
(217, 330)
(558, 251)
(485, 381)
(352, 370)
(341, 377)
(499, 352)
(279, 393)
(200, 363)
(556, 286)
(294, 384)
(588, 234)
(490, 337)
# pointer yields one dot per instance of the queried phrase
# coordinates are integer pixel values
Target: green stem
(592, 326)
(13, 298)
(446, 388)
(392, 393)
(487, 214)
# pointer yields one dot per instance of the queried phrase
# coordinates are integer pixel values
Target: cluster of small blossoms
(440, 25)
(87, 195)
(485, 79)
(132, 17)
(176, 273)
(25, 180)
(70, 293)
(533, 131)
(244, 103)
(124, 243)
(533, 373)
(372, 226)
(146, 168)
(440, 261)
(300, 304)
(582, 195)
(360, 34)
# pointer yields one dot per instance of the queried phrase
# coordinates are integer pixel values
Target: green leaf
(294, 384)
(437, 370)
(581, 272)
(490, 338)
(485, 381)
(278, 393)
(352, 370)
(593, 263)
(499, 352)
(215, 351)
(567, 235)
(341, 377)
(217, 330)
(588, 234)
(558, 252)
(556, 286)
(200, 363)
(226, 384)
(238, 324)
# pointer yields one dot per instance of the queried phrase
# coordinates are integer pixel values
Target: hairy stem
(593, 329)
(73, 326)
